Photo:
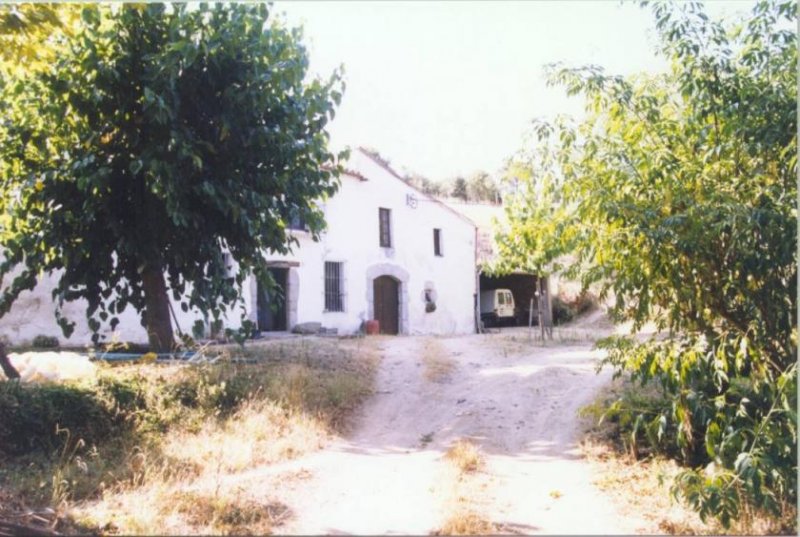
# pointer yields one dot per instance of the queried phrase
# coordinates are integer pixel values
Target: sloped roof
(385, 165)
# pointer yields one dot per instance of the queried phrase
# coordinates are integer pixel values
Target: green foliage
(157, 139)
(432, 188)
(45, 342)
(31, 414)
(678, 195)
(459, 188)
(30, 34)
(482, 188)
(117, 403)
(566, 309)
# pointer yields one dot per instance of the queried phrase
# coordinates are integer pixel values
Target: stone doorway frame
(402, 276)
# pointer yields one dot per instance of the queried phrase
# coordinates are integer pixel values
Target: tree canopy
(458, 189)
(481, 187)
(158, 139)
(677, 194)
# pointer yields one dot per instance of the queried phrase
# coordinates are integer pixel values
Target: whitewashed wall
(352, 238)
(33, 314)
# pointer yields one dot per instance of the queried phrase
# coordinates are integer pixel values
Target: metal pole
(478, 324)
(540, 308)
(530, 319)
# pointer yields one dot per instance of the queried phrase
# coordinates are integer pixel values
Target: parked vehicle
(497, 307)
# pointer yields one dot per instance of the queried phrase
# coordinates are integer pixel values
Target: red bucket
(373, 327)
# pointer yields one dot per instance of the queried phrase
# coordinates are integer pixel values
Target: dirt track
(517, 402)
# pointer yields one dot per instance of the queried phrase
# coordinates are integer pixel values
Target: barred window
(384, 217)
(334, 286)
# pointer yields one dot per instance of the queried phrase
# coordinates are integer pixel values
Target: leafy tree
(428, 186)
(30, 33)
(481, 187)
(158, 139)
(459, 188)
(678, 194)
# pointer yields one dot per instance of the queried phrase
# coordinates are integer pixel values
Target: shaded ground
(517, 401)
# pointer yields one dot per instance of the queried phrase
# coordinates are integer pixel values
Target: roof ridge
(385, 165)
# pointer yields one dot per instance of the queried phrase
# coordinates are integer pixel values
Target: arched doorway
(386, 296)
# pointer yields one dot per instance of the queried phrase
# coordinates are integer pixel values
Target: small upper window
(297, 222)
(501, 299)
(437, 242)
(384, 217)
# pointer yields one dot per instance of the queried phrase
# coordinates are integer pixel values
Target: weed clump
(465, 456)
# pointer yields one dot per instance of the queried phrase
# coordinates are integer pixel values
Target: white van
(497, 307)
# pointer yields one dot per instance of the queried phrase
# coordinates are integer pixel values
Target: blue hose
(135, 356)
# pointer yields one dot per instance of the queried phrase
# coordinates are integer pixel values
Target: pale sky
(448, 88)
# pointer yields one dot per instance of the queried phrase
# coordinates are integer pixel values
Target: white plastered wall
(351, 238)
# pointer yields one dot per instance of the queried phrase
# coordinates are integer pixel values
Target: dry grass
(465, 456)
(205, 509)
(261, 432)
(465, 489)
(466, 523)
(187, 478)
(438, 365)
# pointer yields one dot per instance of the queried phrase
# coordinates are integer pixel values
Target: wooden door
(386, 293)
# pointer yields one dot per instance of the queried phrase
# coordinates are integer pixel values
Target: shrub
(31, 414)
(562, 312)
(565, 308)
(45, 342)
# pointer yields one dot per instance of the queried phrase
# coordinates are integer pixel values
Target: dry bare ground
(515, 401)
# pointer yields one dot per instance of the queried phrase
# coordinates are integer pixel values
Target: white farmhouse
(389, 253)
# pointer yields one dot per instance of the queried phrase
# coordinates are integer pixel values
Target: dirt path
(517, 403)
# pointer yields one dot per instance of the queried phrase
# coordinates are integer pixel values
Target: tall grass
(109, 452)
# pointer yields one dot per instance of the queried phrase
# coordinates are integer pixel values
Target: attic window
(437, 242)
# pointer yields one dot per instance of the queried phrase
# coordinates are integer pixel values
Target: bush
(117, 403)
(565, 309)
(562, 313)
(45, 342)
(31, 413)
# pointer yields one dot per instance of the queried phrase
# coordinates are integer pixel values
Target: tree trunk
(156, 315)
(8, 369)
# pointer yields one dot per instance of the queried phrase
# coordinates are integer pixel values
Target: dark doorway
(386, 293)
(272, 303)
